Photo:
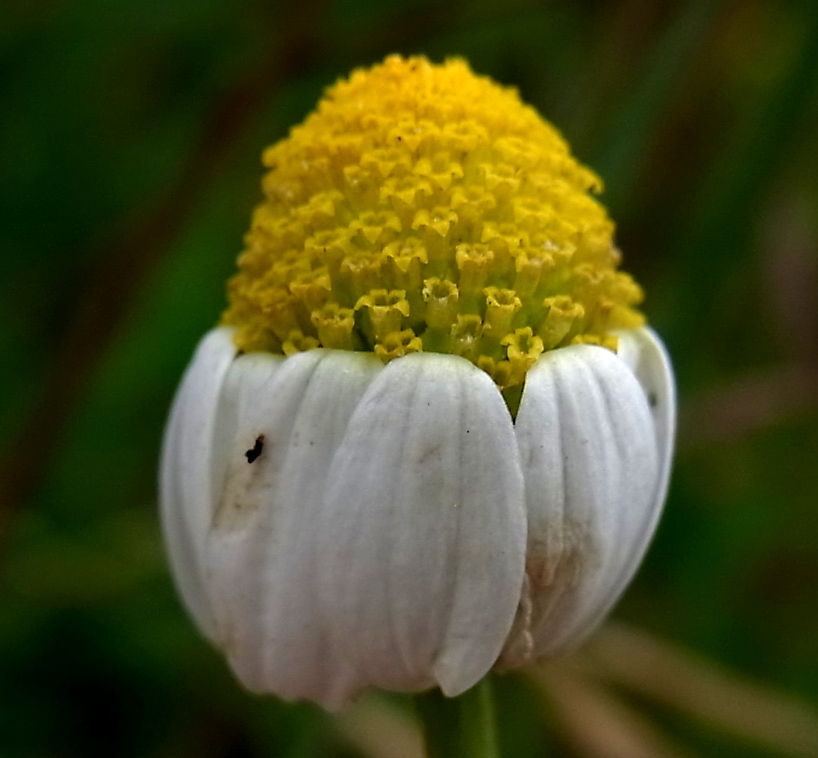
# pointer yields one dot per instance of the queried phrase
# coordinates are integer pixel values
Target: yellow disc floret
(422, 207)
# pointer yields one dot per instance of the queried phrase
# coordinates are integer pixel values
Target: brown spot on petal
(555, 569)
(240, 498)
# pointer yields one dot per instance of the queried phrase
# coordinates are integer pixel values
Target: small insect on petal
(254, 452)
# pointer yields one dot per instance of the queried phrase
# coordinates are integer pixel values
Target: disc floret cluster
(423, 208)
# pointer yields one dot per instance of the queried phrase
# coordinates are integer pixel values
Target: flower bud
(431, 436)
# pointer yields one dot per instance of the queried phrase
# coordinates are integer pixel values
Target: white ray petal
(643, 352)
(186, 498)
(424, 530)
(290, 416)
(591, 465)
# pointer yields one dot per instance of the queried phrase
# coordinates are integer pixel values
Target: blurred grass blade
(378, 729)
(634, 659)
(720, 230)
(594, 722)
(759, 400)
(619, 159)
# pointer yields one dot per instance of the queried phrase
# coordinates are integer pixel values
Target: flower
(432, 435)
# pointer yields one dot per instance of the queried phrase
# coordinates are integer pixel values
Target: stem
(461, 727)
(479, 721)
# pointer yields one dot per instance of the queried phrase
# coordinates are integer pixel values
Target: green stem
(461, 727)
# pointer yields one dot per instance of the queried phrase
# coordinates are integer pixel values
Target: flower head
(431, 435)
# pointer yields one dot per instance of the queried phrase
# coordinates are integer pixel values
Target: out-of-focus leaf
(594, 722)
(706, 691)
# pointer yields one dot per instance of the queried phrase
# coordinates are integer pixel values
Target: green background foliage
(130, 136)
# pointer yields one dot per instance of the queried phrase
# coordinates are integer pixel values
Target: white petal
(185, 479)
(643, 352)
(423, 531)
(592, 470)
(268, 530)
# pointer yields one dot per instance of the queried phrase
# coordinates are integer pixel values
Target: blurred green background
(130, 136)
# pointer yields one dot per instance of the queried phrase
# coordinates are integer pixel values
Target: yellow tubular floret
(421, 207)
